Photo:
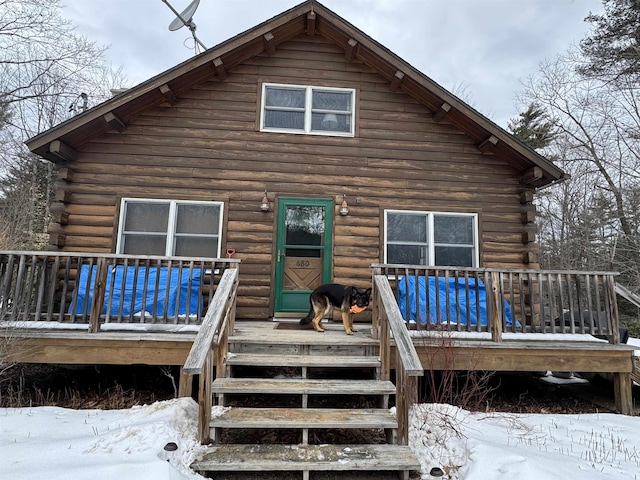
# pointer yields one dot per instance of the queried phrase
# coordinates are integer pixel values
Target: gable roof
(311, 18)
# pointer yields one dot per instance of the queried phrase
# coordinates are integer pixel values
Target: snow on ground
(506, 446)
(56, 443)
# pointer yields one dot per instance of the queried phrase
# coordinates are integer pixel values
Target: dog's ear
(368, 291)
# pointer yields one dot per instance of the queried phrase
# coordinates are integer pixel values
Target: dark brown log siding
(208, 147)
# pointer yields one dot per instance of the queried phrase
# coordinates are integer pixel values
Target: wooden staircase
(326, 373)
(334, 383)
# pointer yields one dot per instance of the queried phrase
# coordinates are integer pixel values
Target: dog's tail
(307, 320)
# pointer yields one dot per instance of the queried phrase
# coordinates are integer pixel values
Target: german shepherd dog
(331, 295)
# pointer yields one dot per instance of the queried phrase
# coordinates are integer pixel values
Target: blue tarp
(168, 281)
(444, 284)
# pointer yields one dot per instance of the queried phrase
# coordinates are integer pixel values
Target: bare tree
(591, 220)
(45, 69)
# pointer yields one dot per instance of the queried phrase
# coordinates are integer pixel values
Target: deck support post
(205, 400)
(622, 393)
(406, 393)
(185, 384)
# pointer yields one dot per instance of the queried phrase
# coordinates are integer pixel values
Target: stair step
(270, 360)
(237, 417)
(289, 386)
(253, 458)
(333, 336)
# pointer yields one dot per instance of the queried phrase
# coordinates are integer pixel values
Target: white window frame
(309, 89)
(171, 223)
(431, 246)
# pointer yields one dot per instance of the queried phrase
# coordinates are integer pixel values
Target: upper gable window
(310, 110)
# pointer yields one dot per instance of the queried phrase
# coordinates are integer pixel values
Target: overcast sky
(480, 50)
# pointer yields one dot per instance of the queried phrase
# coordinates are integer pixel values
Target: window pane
(279, 119)
(453, 229)
(144, 244)
(304, 225)
(454, 256)
(146, 217)
(194, 218)
(330, 122)
(284, 97)
(407, 227)
(407, 254)
(340, 101)
(196, 247)
(304, 252)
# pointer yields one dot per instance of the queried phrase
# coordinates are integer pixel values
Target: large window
(431, 238)
(170, 227)
(311, 110)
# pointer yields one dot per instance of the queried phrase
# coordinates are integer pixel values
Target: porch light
(264, 206)
(344, 209)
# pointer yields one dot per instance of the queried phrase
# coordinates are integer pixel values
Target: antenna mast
(186, 19)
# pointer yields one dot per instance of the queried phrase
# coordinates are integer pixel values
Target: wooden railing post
(612, 309)
(495, 307)
(99, 289)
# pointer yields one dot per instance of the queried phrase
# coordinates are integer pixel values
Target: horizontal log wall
(207, 146)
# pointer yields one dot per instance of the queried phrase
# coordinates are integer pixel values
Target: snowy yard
(57, 443)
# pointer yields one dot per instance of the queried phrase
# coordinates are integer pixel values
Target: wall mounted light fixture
(344, 209)
(264, 206)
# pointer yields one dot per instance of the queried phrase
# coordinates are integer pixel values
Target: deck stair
(294, 397)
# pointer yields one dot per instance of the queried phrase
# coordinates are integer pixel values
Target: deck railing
(505, 300)
(98, 289)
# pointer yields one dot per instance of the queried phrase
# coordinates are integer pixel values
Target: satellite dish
(185, 18)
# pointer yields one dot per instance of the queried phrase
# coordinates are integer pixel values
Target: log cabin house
(297, 153)
(265, 136)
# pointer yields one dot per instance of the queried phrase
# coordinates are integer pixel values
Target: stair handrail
(627, 294)
(388, 321)
(212, 337)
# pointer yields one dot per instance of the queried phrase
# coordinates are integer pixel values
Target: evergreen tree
(533, 127)
(613, 49)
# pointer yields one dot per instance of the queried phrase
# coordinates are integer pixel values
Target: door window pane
(304, 225)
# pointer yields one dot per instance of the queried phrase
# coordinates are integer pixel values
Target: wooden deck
(123, 347)
(105, 348)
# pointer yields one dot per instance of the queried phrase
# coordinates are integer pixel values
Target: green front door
(303, 251)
